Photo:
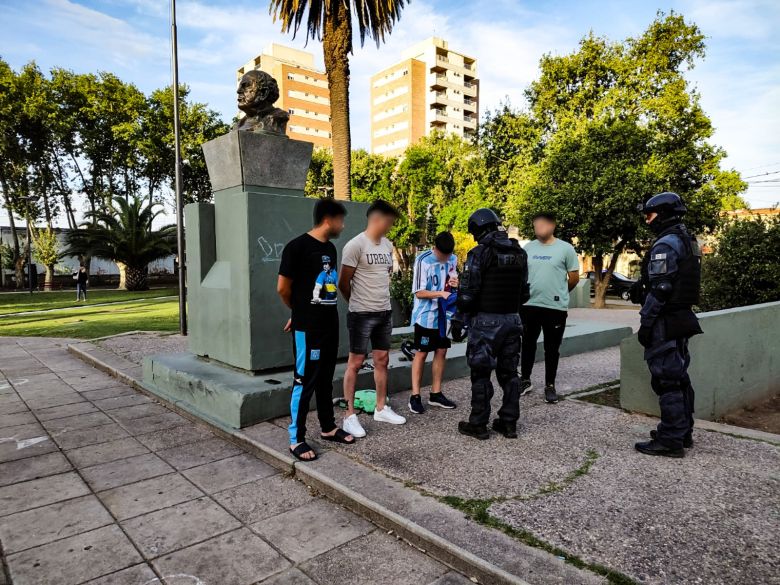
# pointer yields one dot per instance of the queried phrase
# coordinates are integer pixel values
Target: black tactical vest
(502, 279)
(687, 286)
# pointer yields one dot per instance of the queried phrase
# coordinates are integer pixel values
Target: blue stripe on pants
(295, 399)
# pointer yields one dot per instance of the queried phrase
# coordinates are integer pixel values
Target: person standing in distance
(493, 286)
(307, 284)
(668, 289)
(435, 277)
(364, 280)
(553, 272)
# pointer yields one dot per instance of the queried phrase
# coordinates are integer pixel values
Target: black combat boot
(687, 441)
(507, 429)
(657, 448)
(477, 431)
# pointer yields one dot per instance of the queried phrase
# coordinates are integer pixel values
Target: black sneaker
(550, 395)
(440, 400)
(477, 431)
(525, 387)
(687, 441)
(659, 449)
(508, 430)
(415, 404)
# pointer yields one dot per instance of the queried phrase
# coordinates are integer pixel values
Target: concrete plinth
(234, 399)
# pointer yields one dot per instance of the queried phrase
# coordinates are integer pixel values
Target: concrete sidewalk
(571, 487)
(100, 485)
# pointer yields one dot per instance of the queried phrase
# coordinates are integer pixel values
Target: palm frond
(374, 18)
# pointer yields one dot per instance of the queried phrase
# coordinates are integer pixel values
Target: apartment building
(303, 91)
(431, 88)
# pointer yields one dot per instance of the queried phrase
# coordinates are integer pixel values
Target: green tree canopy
(607, 127)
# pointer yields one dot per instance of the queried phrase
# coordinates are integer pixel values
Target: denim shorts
(374, 326)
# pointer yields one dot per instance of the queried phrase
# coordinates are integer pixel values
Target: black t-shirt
(312, 266)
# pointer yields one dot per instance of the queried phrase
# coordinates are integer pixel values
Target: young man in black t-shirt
(307, 284)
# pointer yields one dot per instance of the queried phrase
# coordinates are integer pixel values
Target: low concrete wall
(579, 298)
(234, 399)
(734, 364)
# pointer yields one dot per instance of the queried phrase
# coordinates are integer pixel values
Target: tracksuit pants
(553, 324)
(315, 355)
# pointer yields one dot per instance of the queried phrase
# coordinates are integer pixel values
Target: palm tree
(123, 234)
(331, 22)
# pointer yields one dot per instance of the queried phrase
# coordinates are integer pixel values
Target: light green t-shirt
(548, 268)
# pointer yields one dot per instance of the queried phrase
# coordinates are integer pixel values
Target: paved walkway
(100, 485)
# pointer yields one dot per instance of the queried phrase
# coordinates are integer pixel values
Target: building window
(406, 72)
(290, 111)
(290, 76)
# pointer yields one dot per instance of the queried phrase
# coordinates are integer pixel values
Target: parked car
(619, 285)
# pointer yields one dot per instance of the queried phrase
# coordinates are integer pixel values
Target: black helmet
(666, 204)
(669, 207)
(482, 221)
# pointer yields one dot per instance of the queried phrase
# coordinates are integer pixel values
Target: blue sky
(739, 80)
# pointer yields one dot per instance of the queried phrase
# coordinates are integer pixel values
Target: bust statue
(257, 92)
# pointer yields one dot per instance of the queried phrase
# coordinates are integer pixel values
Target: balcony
(438, 116)
(439, 82)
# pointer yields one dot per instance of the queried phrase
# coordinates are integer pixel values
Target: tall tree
(332, 22)
(615, 123)
(124, 234)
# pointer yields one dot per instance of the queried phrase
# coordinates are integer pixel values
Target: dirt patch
(764, 416)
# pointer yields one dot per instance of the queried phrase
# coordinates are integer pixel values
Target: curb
(419, 537)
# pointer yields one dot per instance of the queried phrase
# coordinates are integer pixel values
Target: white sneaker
(389, 416)
(353, 427)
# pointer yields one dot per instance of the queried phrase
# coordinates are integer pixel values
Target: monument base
(234, 399)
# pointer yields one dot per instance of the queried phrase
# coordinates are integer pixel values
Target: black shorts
(426, 340)
(363, 327)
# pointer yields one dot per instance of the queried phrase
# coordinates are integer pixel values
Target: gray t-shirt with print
(373, 264)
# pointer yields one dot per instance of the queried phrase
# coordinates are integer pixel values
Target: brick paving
(100, 485)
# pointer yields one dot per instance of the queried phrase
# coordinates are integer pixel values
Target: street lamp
(177, 173)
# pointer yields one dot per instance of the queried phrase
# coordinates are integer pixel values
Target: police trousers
(494, 344)
(668, 361)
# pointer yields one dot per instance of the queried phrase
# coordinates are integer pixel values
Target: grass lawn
(88, 322)
(23, 302)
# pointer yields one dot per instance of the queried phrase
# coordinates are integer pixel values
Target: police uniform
(493, 286)
(669, 287)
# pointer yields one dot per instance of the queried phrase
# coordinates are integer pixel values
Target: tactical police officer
(668, 288)
(493, 286)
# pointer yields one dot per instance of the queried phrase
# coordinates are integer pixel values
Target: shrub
(401, 293)
(745, 268)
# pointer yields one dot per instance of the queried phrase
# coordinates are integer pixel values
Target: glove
(645, 335)
(635, 293)
(458, 331)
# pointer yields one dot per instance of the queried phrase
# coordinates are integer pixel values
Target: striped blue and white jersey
(429, 274)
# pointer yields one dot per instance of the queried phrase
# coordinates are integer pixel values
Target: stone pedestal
(234, 248)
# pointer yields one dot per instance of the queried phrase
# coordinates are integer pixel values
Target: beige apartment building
(303, 91)
(431, 88)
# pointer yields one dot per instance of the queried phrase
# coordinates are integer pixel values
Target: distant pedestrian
(81, 276)
(364, 280)
(307, 284)
(553, 271)
(433, 286)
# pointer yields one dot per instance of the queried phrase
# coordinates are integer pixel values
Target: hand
(453, 282)
(316, 301)
(645, 335)
(457, 331)
(288, 326)
(444, 294)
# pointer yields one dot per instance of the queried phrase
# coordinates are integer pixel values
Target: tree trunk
(135, 278)
(15, 239)
(603, 277)
(49, 280)
(336, 46)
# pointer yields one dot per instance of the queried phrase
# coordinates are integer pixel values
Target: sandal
(301, 449)
(340, 436)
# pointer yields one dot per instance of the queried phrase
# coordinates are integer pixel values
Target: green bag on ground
(365, 400)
